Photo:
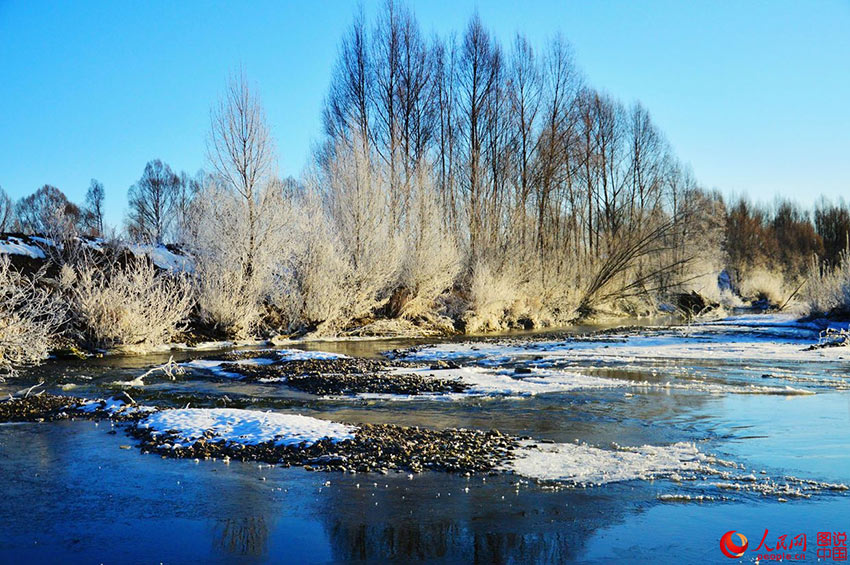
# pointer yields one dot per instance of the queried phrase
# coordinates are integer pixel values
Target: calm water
(71, 494)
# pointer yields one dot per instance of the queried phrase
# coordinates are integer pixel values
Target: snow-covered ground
(163, 258)
(160, 255)
(16, 246)
(248, 427)
(114, 406)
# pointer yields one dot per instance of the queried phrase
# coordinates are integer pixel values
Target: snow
(16, 246)
(112, 406)
(484, 382)
(163, 258)
(214, 365)
(248, 427)
(302, 355)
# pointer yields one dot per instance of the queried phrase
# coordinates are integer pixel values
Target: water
(71, 494)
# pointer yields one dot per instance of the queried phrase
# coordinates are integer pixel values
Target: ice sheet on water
(580, 464)
(706, 476)
(486, 382)
(724, 340)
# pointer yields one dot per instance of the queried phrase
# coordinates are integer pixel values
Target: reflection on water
(242, 536)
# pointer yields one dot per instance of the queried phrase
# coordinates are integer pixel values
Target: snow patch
(163, 258)
(113, 406)
(483, 382)
(16, 246)
(215, 365)
(249, 427)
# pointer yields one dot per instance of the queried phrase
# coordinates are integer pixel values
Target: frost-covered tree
(242, 154)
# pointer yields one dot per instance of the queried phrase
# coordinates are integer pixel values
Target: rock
(123, 397)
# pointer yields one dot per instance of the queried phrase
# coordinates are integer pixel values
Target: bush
(310, 289)
(234, 265)
(128, 305)
(228, 298)
(492, 295)
(432, 259)
(827, 289)
(29, 318)
(761, 283)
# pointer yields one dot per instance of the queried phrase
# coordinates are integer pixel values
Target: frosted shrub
(761, 282)
(228, 299)
(431, 256)
(827, 290)
(357, 196)
(29, 318)
(310, 288)
(128, 305)
(492, 294)
(235, 262)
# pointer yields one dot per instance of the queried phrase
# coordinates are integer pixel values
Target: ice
(302, 355)
(705, 476)
(582, 465)
(486, 382)
(212, 366)
(740, 339)
(249, 427)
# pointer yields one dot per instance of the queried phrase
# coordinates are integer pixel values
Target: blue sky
(754, 95)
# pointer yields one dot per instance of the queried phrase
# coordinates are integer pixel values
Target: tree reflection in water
(242, 536)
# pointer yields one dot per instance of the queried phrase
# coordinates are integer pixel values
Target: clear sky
(754, 95)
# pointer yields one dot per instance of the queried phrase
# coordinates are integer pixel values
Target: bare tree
(347, 106)
(188, 189)
(152, 198)
(478, 71)
(7, 211)
(93, 214)
(48, 212)
(242, 154)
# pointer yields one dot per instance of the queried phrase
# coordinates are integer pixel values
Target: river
(743, 392)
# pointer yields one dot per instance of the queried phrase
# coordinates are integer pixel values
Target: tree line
(458, 181)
